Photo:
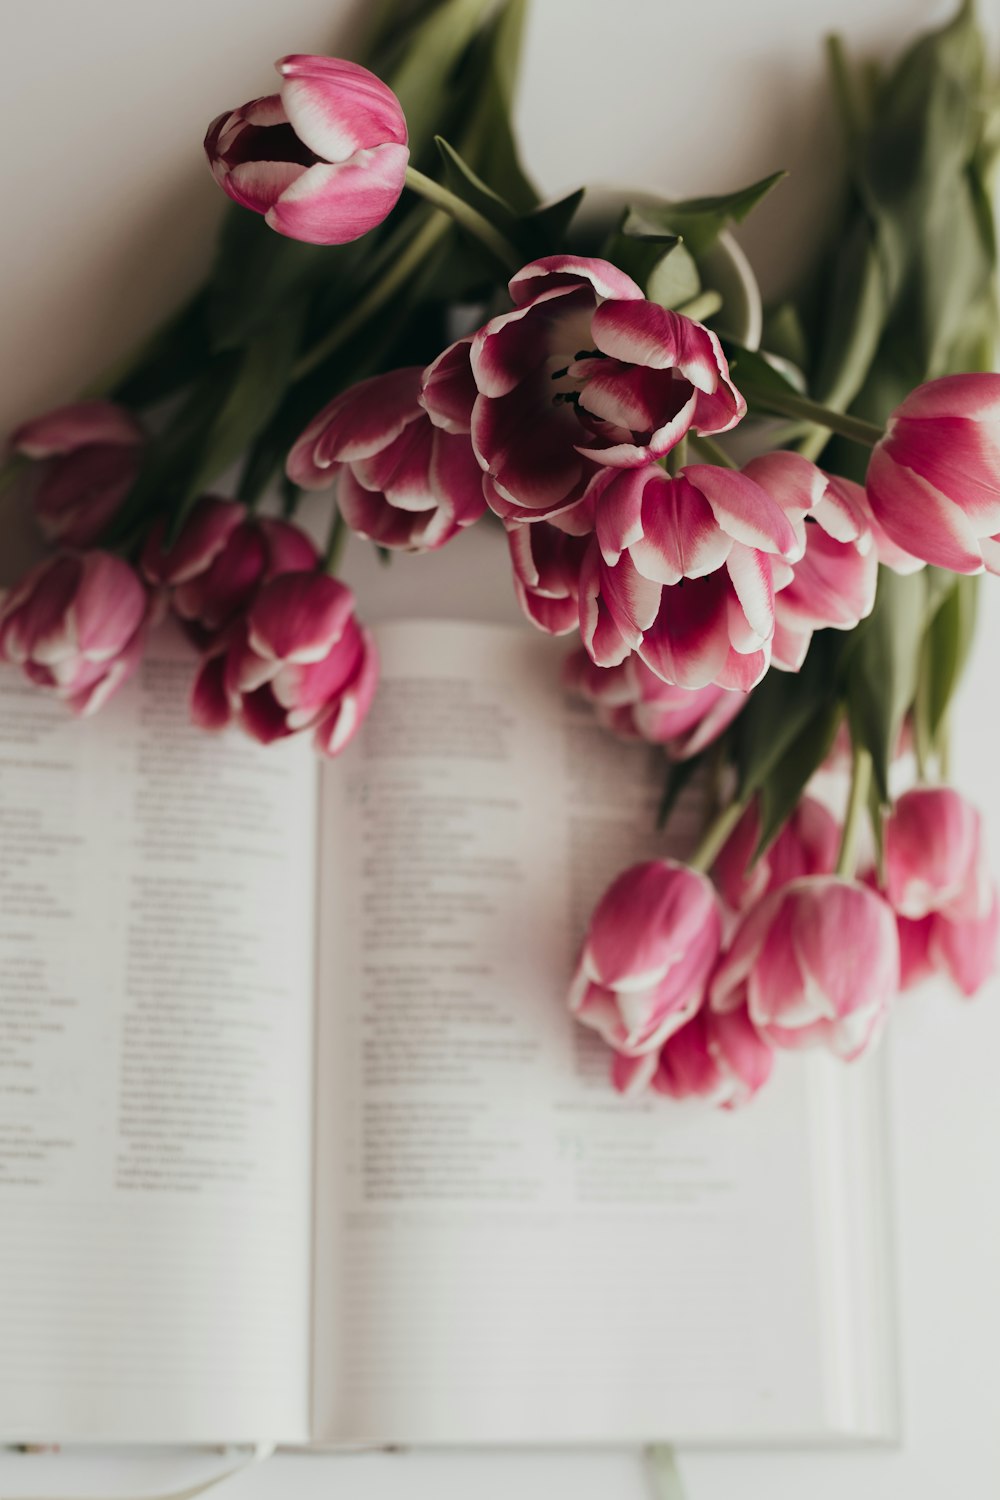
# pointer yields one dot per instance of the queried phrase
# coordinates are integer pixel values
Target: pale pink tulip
(300, 663)
(75, 625)
(816, 963)
(808, 844)
(650, 947)
(324, 160)
(402, 480)
(220, 560)
(934, 856)
(634, 703)
(933, 480)
(91, 452)
(584, 372)
(718, 1057)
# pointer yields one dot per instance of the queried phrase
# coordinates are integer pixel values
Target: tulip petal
(338, 107)
(743, 509)
(918, 517)
(333, 204)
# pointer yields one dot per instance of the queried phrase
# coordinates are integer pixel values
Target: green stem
(9, 473)
(470, 218)
(376, 297)
(715, 836)
(788, 404)
(861, 775)
(677, 457)
(701, 307)
(335, 544)
(711, 451)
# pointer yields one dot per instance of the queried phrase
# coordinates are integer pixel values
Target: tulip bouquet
(395, 320)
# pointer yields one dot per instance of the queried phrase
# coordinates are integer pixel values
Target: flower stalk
(861, 775)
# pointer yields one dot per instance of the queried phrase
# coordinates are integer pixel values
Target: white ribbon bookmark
(665, 1479)
(247, 1460)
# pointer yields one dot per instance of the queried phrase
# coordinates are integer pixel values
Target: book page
(507, 1250)
(156, 982)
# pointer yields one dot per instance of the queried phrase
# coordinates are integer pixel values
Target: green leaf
(782, 709)
(471, 188)
(764, 371)
(882, 669)
(782, 786)
(698, 221)
(946, 645)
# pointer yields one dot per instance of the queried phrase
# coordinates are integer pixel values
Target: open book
(298, 1141)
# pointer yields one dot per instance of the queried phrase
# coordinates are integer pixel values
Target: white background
(108, 211)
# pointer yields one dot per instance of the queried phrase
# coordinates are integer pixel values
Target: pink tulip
(301, 662)
(808, 844)
(402, 480)
(682, 573)
(547, 557)
(75, 625)
(650, 947)
(816, 963)
(219, 562)
(933, 480)
(324, 160)
(634, 703)
(934, 855)
(585, 373)
(91, 453)
(448, 388)
(718, 1057)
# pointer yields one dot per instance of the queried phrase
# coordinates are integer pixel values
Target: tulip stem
(861, 775)
(712, 451)
(715, 836)
(11, 470)
(788, 404)
(398, 274)
(468, 217)
(335, 544)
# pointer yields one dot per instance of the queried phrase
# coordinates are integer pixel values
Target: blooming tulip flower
(75, 624)
(547, 557)
(816, 963)
(634, 703)
(650, 947)
(402, 480)
(808, 844)
(324, 160)
(682, 574)
(91, 452)
(218, 563)
(933, 480)
(585, 373)
(301, 662)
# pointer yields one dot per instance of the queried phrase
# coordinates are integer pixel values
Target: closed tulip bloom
(300, 664)
(402, 480)
(719, 1058)
(90, 452)
(808, 844)
(324, 160)
(682, 573)
(75, 625)
(650, 947)
(634, 703)
(220, 560)
(816, 963)
(583, 373)
(933, 480)
(934, 855)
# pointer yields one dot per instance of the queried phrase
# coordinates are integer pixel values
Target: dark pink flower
(650, 947)
(301, 662)
(75, 625)
(402, 480)
(816, 963)
(585, 373)
(324, 160)
(933, 480)
(683, 574)
(547, 557)
(219, 561)
(808, 844)
(91, 453)
(634, 703)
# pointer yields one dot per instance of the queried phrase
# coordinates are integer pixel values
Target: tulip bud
(808, 844)
(75, 625)
(324, 160)
(634, 703)
(649, 949)
(90, 453)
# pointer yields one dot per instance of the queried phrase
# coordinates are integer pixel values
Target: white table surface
(108, 210)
